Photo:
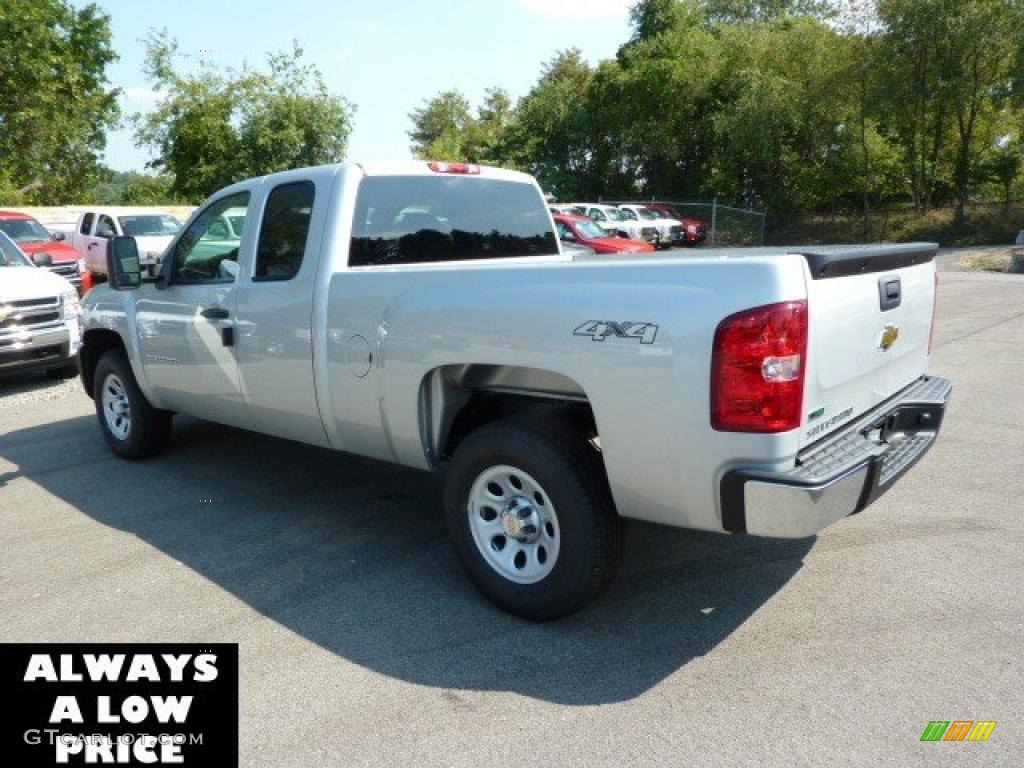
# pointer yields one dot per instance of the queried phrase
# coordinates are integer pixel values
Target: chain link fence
(725, 224)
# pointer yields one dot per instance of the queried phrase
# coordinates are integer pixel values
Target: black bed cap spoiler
(844, 260)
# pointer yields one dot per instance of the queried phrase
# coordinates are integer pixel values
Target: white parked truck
(670, 231)
(614, 221)
(152, 230)
(39, 316)
(425, 314)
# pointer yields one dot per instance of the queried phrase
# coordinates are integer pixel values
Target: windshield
(647, 213)
(24, 230)
(149, 225)
(590, 229)
(10, 256)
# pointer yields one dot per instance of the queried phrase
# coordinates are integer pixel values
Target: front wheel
(132, 427)
(531, 517)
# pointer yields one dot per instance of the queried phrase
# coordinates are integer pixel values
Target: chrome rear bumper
(840, 475)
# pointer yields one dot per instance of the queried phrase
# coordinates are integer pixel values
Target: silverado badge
(889, 336)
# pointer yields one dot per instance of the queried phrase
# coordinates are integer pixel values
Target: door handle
(890, 293)
(215, 313)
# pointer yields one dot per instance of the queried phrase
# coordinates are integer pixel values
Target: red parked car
(695, 231)
(583, 230)
(36, 242)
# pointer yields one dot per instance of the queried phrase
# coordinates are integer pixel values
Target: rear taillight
(758, 366)
(935, 309)
(463, 168)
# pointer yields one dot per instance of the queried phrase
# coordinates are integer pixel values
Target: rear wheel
(132, 427)
(531, 516)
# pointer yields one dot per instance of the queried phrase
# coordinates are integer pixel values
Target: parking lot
(362, 643)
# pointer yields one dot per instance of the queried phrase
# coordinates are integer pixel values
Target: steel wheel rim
(116, 409)
(514, 524)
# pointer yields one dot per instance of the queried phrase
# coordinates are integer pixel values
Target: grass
(985, 224)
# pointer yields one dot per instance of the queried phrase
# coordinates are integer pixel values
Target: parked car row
(43, 273)
(656, 224)
(79, 256)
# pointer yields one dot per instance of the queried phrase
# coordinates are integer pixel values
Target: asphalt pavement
(362, 643)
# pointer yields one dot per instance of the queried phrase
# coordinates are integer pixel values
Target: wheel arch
(96, 342)
(457, 399)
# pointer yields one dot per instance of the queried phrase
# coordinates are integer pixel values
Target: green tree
(733, 11)
(982, 61)
(441, 127)
(445, 128)
(487, 134)
(148, 190)
(551, 132)
(55, 101)
(949, 64)
(657, 102)
(216, 127)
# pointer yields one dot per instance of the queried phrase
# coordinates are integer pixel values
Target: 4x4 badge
(599, 330)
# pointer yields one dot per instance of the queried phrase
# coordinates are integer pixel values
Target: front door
(187, 330)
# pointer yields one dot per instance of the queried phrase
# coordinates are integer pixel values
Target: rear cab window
(284, 231)
(429, 219)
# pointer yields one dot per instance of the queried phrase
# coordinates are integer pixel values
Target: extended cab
(44, 249)
(425, 314)
(39, 316)
(152, 230)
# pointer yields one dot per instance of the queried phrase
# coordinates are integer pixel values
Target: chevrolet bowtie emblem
(889, 336)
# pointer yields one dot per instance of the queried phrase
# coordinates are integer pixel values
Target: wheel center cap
(520, 520)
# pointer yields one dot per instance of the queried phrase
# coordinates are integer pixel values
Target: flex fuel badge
(119, 704)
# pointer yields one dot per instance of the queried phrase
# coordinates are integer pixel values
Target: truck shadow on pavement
(352, 555)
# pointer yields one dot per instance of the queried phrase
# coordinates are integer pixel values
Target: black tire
(149, 429)
(68, 371)
(557, 454)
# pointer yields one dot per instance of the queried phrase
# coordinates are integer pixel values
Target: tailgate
(869, 316)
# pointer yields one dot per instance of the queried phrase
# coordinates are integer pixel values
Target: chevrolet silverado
(425, 314)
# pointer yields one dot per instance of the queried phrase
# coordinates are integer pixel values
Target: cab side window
(105, 227)
(284, 231)
(86, 226)
(207, 252)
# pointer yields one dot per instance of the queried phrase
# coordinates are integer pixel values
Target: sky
(386, 57)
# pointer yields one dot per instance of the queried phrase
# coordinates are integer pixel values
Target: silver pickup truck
(425, 315)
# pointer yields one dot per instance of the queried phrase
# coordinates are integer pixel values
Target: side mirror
(123, 270)
(568, 237)
(58, 236)
(42, 260)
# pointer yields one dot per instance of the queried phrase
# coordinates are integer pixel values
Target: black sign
(119, 704)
